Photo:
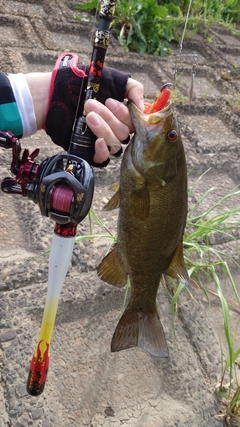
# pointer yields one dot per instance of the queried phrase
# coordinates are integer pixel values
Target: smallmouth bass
(152, 201)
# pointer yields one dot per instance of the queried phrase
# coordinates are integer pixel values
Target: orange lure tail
(161, 102)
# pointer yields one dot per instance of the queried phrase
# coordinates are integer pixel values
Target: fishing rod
(63, 187)
(81, 147)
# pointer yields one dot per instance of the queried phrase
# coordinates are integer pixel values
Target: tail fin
(137, 329)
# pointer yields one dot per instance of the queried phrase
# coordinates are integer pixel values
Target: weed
(207, 263)
(178, 97)
(148, 26)
(235, 103)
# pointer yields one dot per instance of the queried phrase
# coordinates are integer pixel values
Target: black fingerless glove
(68, 79)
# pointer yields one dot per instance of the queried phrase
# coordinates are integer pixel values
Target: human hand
(111, 123)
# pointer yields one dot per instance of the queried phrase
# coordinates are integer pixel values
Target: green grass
(208, 263)
(148, 26)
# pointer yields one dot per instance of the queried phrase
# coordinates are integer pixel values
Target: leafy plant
(232, 416)
(230, 392)
(207, 263)
(143, 27)
(235, 103)
(147, 26)
(221, 10)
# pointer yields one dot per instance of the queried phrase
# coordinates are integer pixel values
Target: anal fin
(177, 269)
(111, 268)
(138, 329)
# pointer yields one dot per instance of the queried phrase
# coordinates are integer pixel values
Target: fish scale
(152, 200)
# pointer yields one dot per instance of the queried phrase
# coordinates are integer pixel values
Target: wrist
(39, 86)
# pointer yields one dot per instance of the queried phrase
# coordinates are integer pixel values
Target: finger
(101, 151)
(118, 128)
(121, 112)
(134, 91)
(102, 130)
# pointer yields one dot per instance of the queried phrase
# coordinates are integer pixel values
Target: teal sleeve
(10, 119)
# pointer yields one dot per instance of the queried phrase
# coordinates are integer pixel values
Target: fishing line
(93, 30)
(61, 199)
(185, 26)
(89, 49)
(180, 54)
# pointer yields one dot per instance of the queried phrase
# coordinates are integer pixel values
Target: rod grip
(38, 369)
(83, 141)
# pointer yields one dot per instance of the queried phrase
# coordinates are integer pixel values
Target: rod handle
(38, 369)
(83, 141)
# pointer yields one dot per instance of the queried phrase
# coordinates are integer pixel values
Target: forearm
(39, 86)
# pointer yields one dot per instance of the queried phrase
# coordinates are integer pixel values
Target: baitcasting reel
(61, 185)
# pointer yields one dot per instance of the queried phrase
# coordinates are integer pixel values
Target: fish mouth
(131, 105)
(138, 115)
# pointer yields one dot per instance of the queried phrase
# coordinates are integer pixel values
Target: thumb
(134, 91)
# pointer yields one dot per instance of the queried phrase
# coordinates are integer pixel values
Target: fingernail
(112, 104)
(102, 144)
(93, 119)
(92, 104)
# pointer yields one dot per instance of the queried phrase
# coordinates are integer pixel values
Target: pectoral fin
(115, 187)
(111, 269)
(177, 269)
(114, 202)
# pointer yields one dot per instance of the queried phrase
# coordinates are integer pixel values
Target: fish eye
(172, 135)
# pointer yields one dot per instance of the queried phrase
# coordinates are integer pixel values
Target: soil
(87, 385)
